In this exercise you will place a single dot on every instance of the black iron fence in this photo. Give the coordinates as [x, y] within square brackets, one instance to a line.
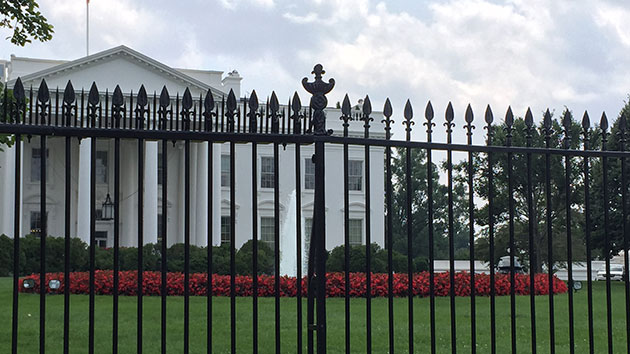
[543, 191]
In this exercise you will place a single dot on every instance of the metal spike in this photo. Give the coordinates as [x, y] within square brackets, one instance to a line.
[509, 117]
[296, 104]
[231, 101]
[566, 120]
[43, 95]
[449, 115]
[208, 102]
[142, 97]
[428, 112]
[547, 119]
[603, 123]
[387, 108]
[165, 99]
[93, 96]
[18, 91]
[489, 115]
[367, 106]
[586, 121]
[253, 102]
[529, 119]
[408, 113]
[68, 93]
[274, 105]
[187, 102]
[345, 106]
[469, 114]
[117, 97]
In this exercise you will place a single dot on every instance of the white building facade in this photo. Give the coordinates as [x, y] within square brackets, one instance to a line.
[129, 69]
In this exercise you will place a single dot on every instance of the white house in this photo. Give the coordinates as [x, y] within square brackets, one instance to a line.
[129, 69]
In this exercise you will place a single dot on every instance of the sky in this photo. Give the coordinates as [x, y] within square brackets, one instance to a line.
[518, 53]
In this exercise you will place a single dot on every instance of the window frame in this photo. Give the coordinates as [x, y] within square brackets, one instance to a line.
[360, 176]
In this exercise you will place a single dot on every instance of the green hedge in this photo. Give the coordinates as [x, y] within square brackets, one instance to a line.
[336, 260]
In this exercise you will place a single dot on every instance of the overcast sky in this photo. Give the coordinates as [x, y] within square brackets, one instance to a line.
[529, 53]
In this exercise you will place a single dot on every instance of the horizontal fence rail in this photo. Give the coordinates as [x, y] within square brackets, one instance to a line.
[333, 206]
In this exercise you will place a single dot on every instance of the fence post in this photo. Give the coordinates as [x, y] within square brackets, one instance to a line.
[319, 89]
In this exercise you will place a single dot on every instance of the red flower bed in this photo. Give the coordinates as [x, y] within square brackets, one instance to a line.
[128, 280]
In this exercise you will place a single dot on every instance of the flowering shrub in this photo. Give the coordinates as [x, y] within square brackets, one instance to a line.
[151, 284]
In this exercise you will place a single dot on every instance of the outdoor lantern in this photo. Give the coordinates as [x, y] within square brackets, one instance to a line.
[108, 209]
[54, 284]
[29, 283]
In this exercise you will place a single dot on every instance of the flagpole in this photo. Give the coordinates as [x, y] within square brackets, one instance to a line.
[87, 27]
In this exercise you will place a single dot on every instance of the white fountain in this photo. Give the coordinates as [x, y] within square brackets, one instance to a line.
[288, 241]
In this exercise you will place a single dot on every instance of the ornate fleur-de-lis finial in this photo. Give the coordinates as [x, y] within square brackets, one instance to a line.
[586, 126]
[428, 116]
[274, 108]
[603, 125]
[529, 126]
[346, 114]
[185, 113]
[93, 104]
[366, 110]
[230, 107]
[141, 107]
[318, 89]
[547, 124]
[387, 112]
[509, 124]
[567, 119]
[164, 112]
[469, 117]
[43, 98]
[68, 103]
[253, 112]
[449, 116]
[117, 106]
[18, 92]
[489, 118]
[208, 110]
[621, 133]
[297, 116]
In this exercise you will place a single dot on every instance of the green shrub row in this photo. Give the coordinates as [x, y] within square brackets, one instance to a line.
[152, 258]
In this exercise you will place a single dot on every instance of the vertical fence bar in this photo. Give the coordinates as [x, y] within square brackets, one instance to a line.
[390, 224]
[531, 225]
[164, 245]
[17, 206]
[298, 235]
[451, 232]
[428, 114]
[210, 243]
[276, 227]
[624, 196]
[140, 240]
[587, 231]
[345, 117]
[66, 267]
[567, 121]
[187, 246]
[471, 229]
[548, 132]
[604, 127]
[232, 248]
[408, 114]
[368, 234]
[509, 121]
[255, 245]
[91, 309]
[489, 118]
[116, 242]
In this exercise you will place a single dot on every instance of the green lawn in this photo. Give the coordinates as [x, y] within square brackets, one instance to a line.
[29, 323]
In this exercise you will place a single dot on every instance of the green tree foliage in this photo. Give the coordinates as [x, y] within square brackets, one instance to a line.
[336, 260]
[6, 105]
[27, 23]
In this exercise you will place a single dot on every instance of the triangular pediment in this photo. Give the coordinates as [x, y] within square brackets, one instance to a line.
[118, 66]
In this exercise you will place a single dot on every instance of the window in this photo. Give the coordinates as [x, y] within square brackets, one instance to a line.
[160, 169]
[101, 239]
[36, 164]
[266, 172]
[225, 170]
[225, 230]
[267, 230]
[101, 167]
[36, 222]
[308, 229]
[309, 174]
[355, 175]
[356, 231]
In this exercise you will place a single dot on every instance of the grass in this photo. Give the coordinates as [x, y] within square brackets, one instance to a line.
[29, 323]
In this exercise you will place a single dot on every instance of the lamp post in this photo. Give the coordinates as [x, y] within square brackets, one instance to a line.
[108, 209]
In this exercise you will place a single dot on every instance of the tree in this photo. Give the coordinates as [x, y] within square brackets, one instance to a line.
[27, 23]
[501, 195]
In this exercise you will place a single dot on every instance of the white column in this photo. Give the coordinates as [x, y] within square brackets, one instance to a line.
[150, 192]
[7, 189]
[216, 195]
[194, 158]
[83, 211]
[202, 194]
[181, 215]
[129, 194]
